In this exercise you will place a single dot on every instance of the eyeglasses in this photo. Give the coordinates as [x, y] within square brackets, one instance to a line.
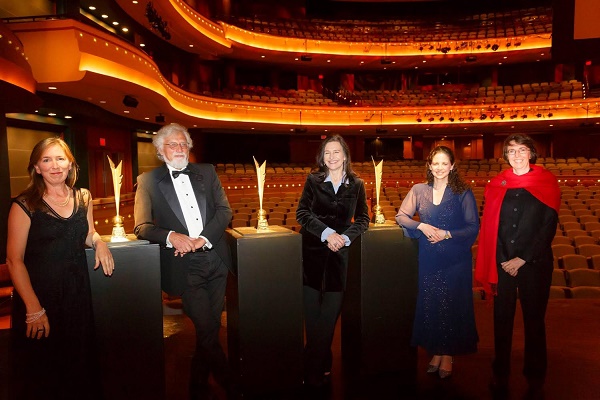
[522, 151]
[174, 146]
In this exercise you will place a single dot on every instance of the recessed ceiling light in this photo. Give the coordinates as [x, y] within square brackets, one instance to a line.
[104, 16]
[92, 8]
[134, 1]
[124, 29]
[115, 23]
[102, 101]
[68, 117]
[126, 111]
[52, 87]
[142, 45]
[191, 45]
[328, 61]
[147, 118]
[263, 56]
[52, 114]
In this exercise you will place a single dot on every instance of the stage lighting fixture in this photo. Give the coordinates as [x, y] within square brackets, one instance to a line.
[550, 115]
[507, 44]
[441, 119]
[478, 47]
[538, 115]
[130, 101]
[501, 116]
[461, 119]
[487, 46]
[482, 117]
[495, 47]
[471, 119]
[513, 116]
[524, 116]
[421, 48]
[492, 116]
[430, 47]
[517, 44]
[419, 120]
[430, 119]
[451, 119]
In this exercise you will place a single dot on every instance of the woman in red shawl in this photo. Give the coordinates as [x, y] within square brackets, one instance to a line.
[517, 228]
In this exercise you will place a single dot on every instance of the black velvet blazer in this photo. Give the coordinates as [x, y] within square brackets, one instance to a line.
[320, 207]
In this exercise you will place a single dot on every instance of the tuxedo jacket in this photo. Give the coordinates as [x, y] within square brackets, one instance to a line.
[157, 212]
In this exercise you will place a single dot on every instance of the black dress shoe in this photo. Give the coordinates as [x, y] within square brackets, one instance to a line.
[499, 388]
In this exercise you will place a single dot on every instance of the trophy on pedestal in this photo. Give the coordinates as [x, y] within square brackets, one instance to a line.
[118, 232]
[379, 217]
[261, 176]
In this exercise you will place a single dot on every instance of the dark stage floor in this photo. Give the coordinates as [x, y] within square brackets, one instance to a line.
[573, 327]
[573, 347]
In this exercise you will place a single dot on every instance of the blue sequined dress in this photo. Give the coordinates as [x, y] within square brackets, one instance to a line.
[444, 319]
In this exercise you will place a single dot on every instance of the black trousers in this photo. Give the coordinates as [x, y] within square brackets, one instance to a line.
[203, 302]
[532, 284]
[321, 311]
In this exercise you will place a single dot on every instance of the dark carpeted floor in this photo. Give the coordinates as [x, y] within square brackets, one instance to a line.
[573, 352]
[573, 336]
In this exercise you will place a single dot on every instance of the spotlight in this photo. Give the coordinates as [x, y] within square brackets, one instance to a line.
[478, 47]
[430, 47]
[421, 48]
[538, 115]
[513, 116]
[517, 44]
[471, 119]
[550, 115]
[419, 120]
[492, 116]
[483, 116]
[461, 119]
[487, 46]
[495, 47]
[430, 119]
[508, 44]
[441, 119]
[524, 116]
[451, 119]
[130, 101]
[501, 116]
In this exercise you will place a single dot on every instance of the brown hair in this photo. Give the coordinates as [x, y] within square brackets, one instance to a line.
[35, 189]
[520, 138]
[321, 156]
[455, 181]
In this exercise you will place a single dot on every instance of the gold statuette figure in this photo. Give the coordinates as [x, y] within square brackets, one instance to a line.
[379, 217]
[118, 232]
[261, 176]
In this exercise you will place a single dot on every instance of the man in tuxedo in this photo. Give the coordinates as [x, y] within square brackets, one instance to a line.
[183, 208]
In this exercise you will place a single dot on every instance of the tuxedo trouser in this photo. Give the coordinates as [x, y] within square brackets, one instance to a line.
[203, 302]
[321, 312]
[532, 287]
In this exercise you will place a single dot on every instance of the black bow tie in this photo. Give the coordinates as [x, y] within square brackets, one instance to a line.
[176, 174]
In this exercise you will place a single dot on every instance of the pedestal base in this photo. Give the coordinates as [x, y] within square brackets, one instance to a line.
[264, 309]
[379, 303]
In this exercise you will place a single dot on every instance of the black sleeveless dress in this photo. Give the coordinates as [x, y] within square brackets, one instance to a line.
[63, 365]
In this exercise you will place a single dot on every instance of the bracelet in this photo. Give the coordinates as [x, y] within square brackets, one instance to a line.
[29, 318]
[447, 235]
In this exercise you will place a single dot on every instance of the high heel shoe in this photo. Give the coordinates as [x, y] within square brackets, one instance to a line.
[432, 368]
[445, 374]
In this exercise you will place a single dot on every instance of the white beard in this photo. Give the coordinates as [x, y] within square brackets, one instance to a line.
[178, 163]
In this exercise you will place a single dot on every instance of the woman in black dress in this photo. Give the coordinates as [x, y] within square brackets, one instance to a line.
[49, 225]
[333, 212]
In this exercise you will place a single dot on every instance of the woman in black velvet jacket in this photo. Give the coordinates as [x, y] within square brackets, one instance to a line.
[333, 212]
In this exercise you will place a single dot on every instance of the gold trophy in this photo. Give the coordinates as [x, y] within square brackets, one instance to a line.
[118, 232]
[379, 217]
[262, 214]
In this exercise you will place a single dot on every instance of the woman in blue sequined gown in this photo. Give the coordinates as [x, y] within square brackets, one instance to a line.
[448, 224]
[52, 332]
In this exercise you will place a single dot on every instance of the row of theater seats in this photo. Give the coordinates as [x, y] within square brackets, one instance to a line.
[468, 28]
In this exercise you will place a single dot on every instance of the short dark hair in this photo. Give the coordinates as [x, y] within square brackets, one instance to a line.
[520, 138]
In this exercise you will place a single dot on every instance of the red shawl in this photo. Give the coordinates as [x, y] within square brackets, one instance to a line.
[540, 182]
